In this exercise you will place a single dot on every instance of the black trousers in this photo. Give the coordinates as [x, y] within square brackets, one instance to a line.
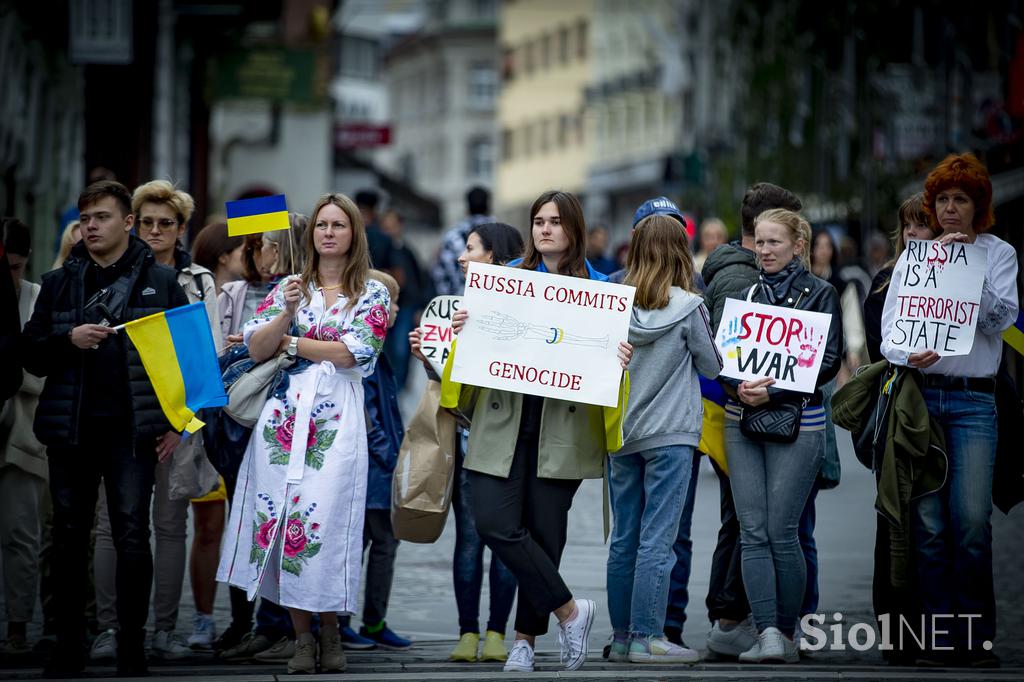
[127, 470]
[727, 597]
[523, 519]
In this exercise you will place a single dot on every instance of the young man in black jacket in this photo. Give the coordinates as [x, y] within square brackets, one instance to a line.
[99, 417]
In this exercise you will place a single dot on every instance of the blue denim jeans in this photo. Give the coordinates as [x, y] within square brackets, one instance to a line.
[770, 486]
[678, 592]
[952, 528]
[468, 564]
[647, 491]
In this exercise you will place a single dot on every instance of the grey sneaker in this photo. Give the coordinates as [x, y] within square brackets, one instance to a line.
[104, 647]
[282, 650]
[332, 655]
[304, 660]
[740, 638]
[169, 645]
[771, 647]
[659, 650]
[250, 645]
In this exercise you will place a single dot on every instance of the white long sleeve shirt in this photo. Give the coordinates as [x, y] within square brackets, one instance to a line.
[998, 311]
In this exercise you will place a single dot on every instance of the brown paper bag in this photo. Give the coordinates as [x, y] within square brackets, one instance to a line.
[421, 490]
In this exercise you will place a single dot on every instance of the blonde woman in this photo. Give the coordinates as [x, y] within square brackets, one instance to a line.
[72, 235]
[297, 511]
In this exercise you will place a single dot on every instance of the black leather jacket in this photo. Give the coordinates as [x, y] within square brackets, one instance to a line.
[48, 352]
[807, 292]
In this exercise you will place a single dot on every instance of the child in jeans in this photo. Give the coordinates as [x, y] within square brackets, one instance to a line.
[648, 478]
[384, 437]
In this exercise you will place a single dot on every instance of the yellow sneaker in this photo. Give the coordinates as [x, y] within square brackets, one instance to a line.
[465, 650]
[494, 647]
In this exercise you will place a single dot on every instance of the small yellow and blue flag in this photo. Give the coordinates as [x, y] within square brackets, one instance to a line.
[1015, 334]
[177, 350]
[712, 434]
[262, 214]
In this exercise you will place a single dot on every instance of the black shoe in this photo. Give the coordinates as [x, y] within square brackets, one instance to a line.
[131, 654]
[64, 664]
[230, 638]
[979, 658]
[674, 635]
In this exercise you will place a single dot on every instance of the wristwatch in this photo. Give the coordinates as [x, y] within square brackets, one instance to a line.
[293, 347]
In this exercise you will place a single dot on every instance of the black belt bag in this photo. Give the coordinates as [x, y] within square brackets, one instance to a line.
[775, 422]
[975, 384]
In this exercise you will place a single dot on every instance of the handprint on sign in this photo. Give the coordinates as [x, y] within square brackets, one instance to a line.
[809, 346]
[503, 327]
[732, 337]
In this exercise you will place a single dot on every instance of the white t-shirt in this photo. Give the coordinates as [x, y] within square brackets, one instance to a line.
[997, 313]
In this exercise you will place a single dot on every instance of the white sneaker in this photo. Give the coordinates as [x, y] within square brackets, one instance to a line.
[169, 646]
[520, 659]
[733, 642]
[283, 650]
[659, 650]
[771, 647]
[574, 635]
[104, 647]
[204, 631]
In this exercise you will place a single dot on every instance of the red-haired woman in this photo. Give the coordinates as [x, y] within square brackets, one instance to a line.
[951, 527]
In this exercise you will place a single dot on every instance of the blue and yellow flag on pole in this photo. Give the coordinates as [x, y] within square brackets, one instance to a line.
[1015, 334]
[177, 350]
[262, 214]
[712, 435]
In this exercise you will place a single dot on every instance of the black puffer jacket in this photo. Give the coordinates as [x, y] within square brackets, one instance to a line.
[806, 292]
[48, 351]
[728, 273]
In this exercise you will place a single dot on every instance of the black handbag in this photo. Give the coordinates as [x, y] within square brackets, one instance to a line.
[775, 422]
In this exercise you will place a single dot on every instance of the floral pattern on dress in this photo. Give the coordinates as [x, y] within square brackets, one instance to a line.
[279, 429]
[263, 526]
[301, 539]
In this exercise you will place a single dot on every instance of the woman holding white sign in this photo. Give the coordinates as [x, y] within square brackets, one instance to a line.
[772, 480]
[649, 476]
[951, 528]
[522, 494]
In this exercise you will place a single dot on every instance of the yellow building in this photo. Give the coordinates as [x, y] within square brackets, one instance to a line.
[546, 57]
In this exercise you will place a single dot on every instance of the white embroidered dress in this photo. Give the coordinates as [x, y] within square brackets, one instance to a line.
[296, 530]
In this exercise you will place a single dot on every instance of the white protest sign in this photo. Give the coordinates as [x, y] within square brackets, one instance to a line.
[543, 334]
[938, 297]
[436, 330]
[786, 344]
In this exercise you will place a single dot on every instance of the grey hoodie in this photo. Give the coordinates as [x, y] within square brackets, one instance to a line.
[671, 346]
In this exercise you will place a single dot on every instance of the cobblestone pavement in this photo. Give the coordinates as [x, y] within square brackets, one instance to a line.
[422, 605]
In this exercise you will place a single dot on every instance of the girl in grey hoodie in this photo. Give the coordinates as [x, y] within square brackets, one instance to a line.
[673, 342]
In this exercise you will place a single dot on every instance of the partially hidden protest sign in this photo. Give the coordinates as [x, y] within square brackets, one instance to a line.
[786, 344]
[938, 297]
[436, 330]
[543, 334]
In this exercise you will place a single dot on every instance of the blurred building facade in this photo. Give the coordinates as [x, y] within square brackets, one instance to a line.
[546, 64]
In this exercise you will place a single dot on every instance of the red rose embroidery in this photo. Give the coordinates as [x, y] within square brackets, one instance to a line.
[328, 333]
[287, 429]
[377, 318]
[264, 533]
[294, 538]
[267, 302]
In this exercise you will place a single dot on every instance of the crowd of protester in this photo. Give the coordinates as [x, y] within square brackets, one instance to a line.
[90, 468]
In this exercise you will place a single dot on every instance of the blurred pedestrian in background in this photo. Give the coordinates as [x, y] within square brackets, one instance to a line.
[713, 233]
[416, 291]
[449, 279]
[597, 250]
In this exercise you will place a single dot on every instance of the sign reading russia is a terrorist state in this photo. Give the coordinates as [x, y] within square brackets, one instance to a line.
[543, 334]
[935, 307]
[786, 344]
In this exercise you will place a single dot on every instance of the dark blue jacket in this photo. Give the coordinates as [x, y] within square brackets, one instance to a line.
[384, 432]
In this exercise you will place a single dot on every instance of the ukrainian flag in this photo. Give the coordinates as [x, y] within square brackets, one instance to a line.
[1015, 334]
[180, 358]
[262, 214]
[712, 434]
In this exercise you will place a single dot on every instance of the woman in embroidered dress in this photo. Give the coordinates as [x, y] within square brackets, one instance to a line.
[295, 535]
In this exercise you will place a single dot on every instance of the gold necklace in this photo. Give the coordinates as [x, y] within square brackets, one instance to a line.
[331, 288]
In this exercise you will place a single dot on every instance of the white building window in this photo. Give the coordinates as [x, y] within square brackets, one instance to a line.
[358, 57]
[483, 85]
[480, 158]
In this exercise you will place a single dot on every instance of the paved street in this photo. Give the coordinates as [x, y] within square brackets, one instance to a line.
[422, 605]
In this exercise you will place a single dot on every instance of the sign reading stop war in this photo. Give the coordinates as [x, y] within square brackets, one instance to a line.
[436, 330]
[786, 344]
[543, 334]
[936, 304]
